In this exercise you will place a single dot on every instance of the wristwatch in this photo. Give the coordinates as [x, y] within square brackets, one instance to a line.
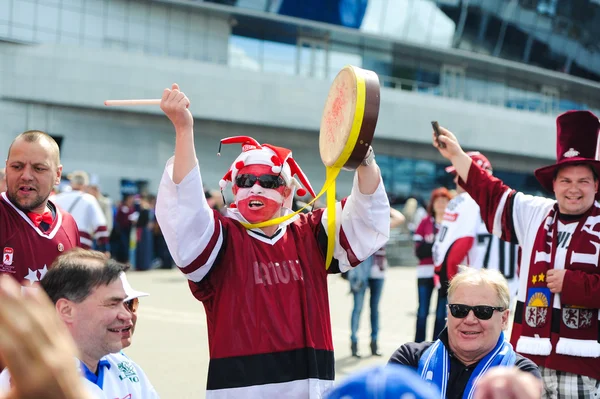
[369, 158]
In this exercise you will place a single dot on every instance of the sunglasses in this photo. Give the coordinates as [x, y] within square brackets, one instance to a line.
[482, 312]
[265, 181]
[132, 305]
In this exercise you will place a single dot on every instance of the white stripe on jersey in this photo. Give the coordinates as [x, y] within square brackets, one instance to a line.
[203, 270]
[86, 241]
[497, 227]
[289, 390]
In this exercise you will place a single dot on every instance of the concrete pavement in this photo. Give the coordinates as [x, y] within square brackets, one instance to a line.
[171, 344]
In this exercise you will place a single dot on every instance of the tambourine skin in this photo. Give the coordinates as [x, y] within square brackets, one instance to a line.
[349, 118]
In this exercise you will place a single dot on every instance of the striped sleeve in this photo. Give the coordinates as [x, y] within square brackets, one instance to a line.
[97, 222]
[193, 231]
[506, 212]
[362, 225]
[85, 240]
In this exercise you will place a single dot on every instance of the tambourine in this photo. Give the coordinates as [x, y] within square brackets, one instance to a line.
[347, 129]
[349, 118]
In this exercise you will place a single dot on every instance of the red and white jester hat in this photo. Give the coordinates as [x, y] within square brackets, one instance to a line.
[279, 159]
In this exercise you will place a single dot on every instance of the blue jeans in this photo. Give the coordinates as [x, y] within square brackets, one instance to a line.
[425, 290]
[375, 288]
[440, 316]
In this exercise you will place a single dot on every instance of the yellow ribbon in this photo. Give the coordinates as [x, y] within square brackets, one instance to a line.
[331, 173]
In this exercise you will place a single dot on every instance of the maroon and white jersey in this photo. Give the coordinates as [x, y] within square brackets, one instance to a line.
[266, 298]
[517, 217]
[463, 224]
[27, 251]
[88, 214]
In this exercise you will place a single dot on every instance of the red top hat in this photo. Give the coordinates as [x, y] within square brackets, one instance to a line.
[478, 158]
[576, 143]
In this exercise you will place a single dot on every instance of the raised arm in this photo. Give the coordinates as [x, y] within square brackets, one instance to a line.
[363, 219]
[193, 232]
[175, 105]
[369, 176]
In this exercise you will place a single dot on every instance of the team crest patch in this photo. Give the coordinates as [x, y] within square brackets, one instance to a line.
[7, 256]
[536, 312]
[577, 318]
[128, 372]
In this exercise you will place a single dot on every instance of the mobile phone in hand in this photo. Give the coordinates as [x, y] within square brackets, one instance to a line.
[436, 129]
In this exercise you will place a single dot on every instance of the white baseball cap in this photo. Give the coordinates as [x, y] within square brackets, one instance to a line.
[131, 293]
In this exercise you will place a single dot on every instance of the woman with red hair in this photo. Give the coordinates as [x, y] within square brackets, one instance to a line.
[424, 238]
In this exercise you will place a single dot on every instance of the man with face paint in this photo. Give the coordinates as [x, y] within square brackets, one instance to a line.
[264, 289]
[33, 230]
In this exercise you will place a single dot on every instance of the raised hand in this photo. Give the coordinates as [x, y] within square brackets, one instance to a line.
[452, 151]
[452, 148]
[175, 105]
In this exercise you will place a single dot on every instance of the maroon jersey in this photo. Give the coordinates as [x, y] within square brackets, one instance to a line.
[266, 300]
[28, 251]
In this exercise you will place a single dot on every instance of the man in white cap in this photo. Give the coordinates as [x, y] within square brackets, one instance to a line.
[93, 298]
[264, 289]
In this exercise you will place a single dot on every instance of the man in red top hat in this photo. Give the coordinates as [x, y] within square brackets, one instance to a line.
[556, 319]
[33, 230]
[264, 289]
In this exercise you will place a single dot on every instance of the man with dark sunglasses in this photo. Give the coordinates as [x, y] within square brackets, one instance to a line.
[264, 288]
[557, 316]
[473, 341]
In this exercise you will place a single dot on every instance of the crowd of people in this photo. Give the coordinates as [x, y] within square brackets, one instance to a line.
[261, 271]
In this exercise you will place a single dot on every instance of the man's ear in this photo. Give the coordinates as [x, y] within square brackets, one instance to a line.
[65, 310]
[505, 316]
[58, 174]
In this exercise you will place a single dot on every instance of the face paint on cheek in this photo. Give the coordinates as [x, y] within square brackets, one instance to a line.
[259, 205]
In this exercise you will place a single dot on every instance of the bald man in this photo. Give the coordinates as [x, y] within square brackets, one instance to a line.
[33, 230]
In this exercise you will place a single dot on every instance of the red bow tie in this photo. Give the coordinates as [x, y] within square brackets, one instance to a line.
[37, 218]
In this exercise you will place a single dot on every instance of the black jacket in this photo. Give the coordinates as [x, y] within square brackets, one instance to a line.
[410, 353]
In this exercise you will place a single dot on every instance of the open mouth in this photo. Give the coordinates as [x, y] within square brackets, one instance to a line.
[254, 204]
[120, 330]
[26, 189]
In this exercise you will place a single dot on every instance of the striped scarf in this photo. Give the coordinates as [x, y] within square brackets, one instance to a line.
[434, 365]
[544, 313]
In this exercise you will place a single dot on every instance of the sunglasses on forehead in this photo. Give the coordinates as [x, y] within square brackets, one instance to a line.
[132, 305]
[482, 312]
[266, 181]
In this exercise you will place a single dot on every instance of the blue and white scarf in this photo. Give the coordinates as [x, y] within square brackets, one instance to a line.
[434, 365]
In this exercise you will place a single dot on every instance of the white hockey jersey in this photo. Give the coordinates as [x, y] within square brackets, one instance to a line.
[88, 215]
[462, 219]
[118, 377]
